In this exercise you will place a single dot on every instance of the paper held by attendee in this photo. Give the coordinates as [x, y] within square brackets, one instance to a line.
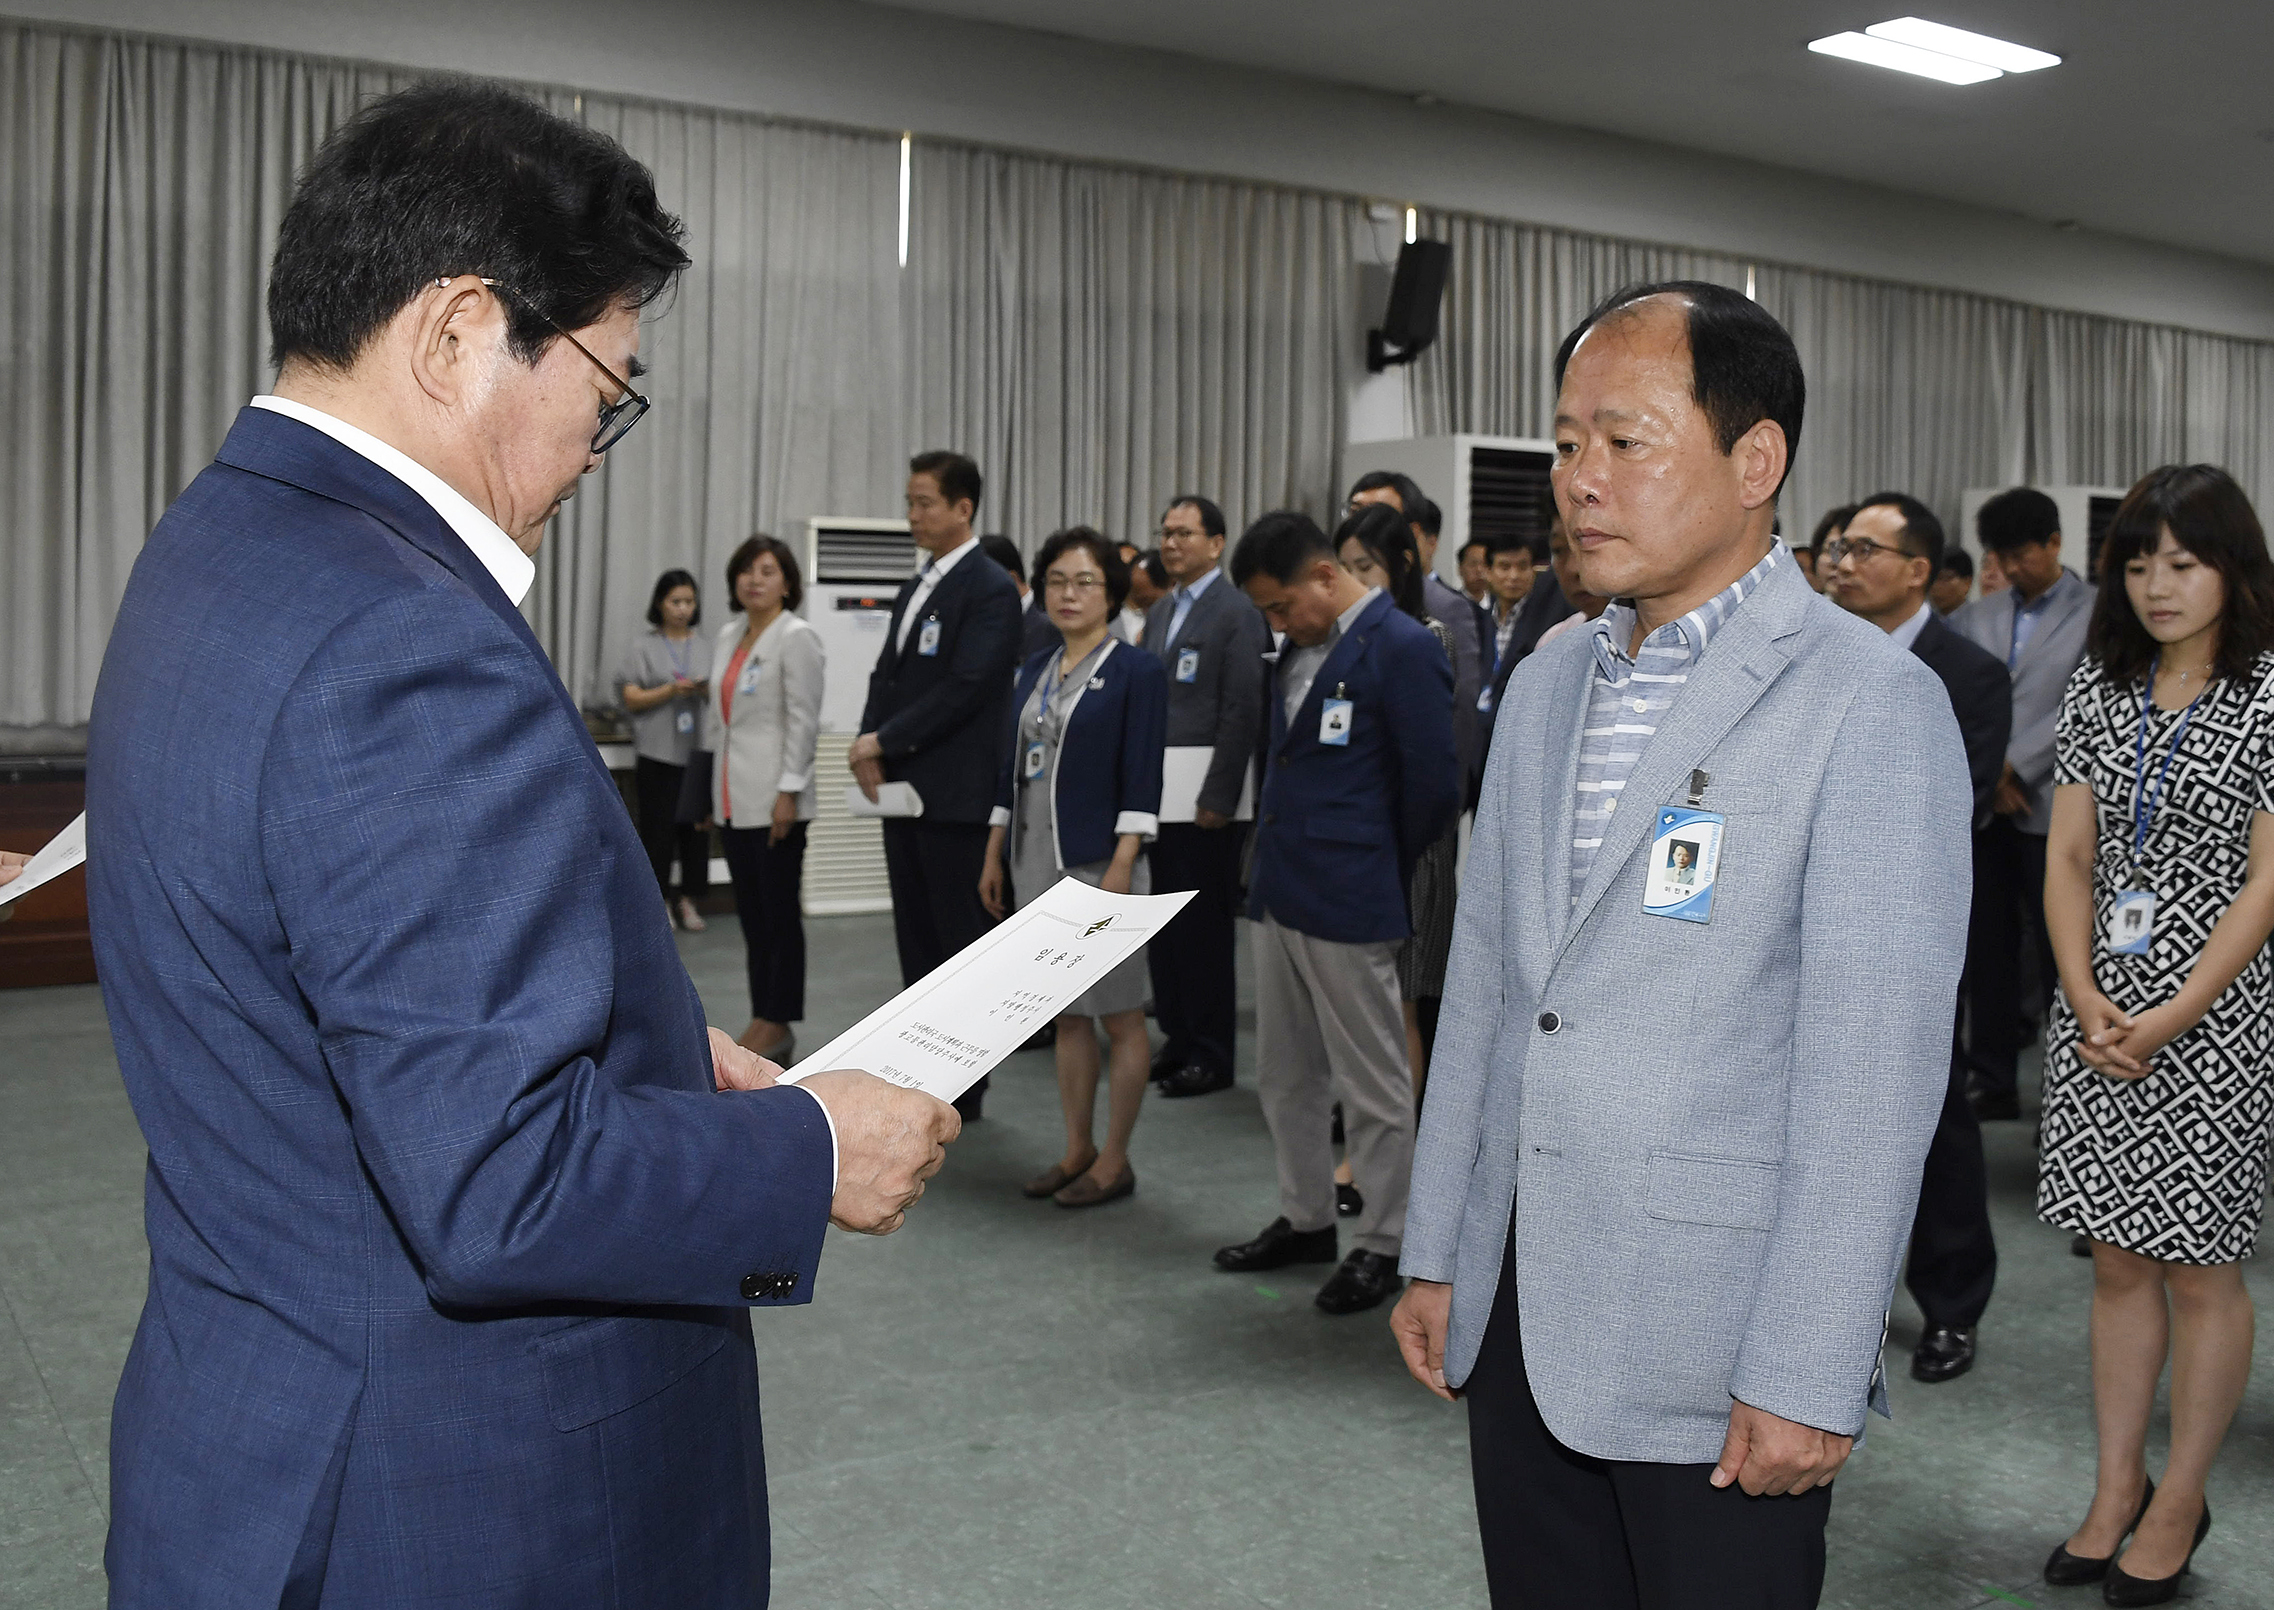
[1184, 768]
[63, 852]
[955, 1023]
[892, 799]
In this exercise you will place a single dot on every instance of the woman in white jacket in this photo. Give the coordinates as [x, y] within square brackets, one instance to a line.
[765, 717]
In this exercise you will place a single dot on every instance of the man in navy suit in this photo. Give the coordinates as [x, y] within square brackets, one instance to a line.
[939, 704]
[455, 1211]
[1882, 566]
[1360, 776]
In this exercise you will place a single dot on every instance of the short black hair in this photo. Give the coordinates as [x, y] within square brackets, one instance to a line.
[1921, 529]
[1155, 572]
[1743, 365]
[793, 580]
[1101, 548]
[1409, 494]
[2019, 517]
[1387, 536]
[1429, 517]
[1211, 517]
[1004, 552]
[1834, 520]
[1280, 545]
[1475, 541]
[458, 177]
[1501, 542]
[957, 476]
[1956, 561]
[2208, 515]
[663, 586]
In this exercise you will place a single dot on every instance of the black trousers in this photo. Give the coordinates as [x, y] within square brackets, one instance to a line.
[1561, 1529]
[768, 880]
[655, 785]
[2008, 921]
[934, 868]
[1195, 980]
[1954, 1259]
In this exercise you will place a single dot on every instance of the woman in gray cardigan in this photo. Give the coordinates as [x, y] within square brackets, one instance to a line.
[765, 718]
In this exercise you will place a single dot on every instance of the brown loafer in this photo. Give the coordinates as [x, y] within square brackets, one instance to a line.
[1087, 1192]
[1054, 1179]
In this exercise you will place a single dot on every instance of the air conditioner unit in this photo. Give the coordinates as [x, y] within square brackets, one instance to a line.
[1483, 486]
[2086, 512]
[853, 567]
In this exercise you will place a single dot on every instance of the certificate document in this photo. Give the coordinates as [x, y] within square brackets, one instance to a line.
[63, 852]
[955, 1023]
[1184, 769]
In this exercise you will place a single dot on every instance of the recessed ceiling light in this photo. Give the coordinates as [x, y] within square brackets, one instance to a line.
[1904, 58]
[1973, 47]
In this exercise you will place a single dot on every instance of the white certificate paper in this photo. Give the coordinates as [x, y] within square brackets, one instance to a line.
[1184, 771]
[62, 852]
[955, 1023]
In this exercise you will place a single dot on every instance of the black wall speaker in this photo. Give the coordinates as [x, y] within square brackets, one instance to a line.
[1415, 293]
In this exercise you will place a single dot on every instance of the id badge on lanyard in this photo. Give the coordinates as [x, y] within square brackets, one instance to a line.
[928, 637]
[1334, 719]
[686, 721]
[2131, 923]
[1685, 858]
[1188, 665]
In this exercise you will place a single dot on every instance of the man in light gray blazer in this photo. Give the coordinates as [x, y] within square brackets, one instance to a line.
[1210, 639]
[1667, 1167]
[2037, 627]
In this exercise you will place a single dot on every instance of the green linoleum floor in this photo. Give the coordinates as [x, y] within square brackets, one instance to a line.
[1008, 1403]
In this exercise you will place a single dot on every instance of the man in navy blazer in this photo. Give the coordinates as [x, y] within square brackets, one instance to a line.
[454, 1208]
[1882, 566]
[939, 699]
[1360, 776]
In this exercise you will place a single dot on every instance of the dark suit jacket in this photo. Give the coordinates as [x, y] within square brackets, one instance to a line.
[1339, 826]
[1471, 632]
[940, 717]
[1108, 778]
[449, 1233]
[1981, 694]
[1222, 706]
[1036, 632]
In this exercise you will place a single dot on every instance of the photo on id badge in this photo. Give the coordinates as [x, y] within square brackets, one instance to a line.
[1685, 858]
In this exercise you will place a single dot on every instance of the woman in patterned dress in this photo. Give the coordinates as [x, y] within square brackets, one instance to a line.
[2159, 896]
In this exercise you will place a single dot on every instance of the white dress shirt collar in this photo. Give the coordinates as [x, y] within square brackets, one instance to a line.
[946, 562]
[512, 569]
[1908, 633]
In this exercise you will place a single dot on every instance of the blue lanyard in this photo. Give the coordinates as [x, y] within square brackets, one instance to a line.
[678, 659]
[2144, 803]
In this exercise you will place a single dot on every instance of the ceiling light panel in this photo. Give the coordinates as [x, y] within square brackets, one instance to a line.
[1999, 53]
[1904, 58]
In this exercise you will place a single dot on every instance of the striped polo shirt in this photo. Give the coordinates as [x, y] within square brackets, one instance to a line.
[1627, 699]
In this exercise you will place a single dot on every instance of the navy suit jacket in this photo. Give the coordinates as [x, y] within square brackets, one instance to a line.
[449, 1233]
[1108, 779]
[939, 716]
[1339, 826]
[1981, 696]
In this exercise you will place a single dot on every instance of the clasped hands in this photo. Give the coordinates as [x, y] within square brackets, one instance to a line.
[890, 1140]
[1763, 1452]
[2114, 1042]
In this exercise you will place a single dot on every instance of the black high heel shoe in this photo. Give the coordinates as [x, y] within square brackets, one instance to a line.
[2130, 1590]
[2066, 1570]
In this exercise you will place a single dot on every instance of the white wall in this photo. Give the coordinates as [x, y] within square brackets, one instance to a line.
[842, 61]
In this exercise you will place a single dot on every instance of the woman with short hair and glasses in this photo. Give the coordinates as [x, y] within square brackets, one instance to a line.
[2159, 1098]
[767, 674]
[1080, 797]
[663, 682]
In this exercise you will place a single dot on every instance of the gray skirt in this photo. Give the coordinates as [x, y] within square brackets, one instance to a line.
[1034, 869]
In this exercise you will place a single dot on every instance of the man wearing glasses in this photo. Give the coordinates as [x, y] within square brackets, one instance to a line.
[454, 1207]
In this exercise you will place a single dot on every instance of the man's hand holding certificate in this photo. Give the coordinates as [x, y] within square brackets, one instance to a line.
[949, 1027]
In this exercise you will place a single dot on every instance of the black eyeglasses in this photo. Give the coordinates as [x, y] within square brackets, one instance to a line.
[616, 418]
[1862, 548]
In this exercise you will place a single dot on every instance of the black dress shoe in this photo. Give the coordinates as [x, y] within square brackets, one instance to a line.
[2066, 1570]
[1193, 1080]
[1944, 1353]
[1365, 1280]
[1994, 1104]
[1348, 1204]
[1165, 1063]
[2120, 1588]
[968, 1104]
[1280, 1245]
[2080, 1246]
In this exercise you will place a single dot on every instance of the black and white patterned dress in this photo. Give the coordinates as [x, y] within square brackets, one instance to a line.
[2172, 1165]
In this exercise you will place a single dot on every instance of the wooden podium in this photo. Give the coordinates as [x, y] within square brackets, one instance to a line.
[46, 940]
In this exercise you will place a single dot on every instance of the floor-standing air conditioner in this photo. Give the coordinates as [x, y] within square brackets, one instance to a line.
[853, 568]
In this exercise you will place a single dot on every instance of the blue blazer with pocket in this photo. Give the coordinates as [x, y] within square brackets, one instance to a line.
[1339, 826]
[1108, 778]
[450, 1236]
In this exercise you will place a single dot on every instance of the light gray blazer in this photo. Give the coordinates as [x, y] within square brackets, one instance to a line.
[1713, 1156]
[2056, 645]
[768, 747]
